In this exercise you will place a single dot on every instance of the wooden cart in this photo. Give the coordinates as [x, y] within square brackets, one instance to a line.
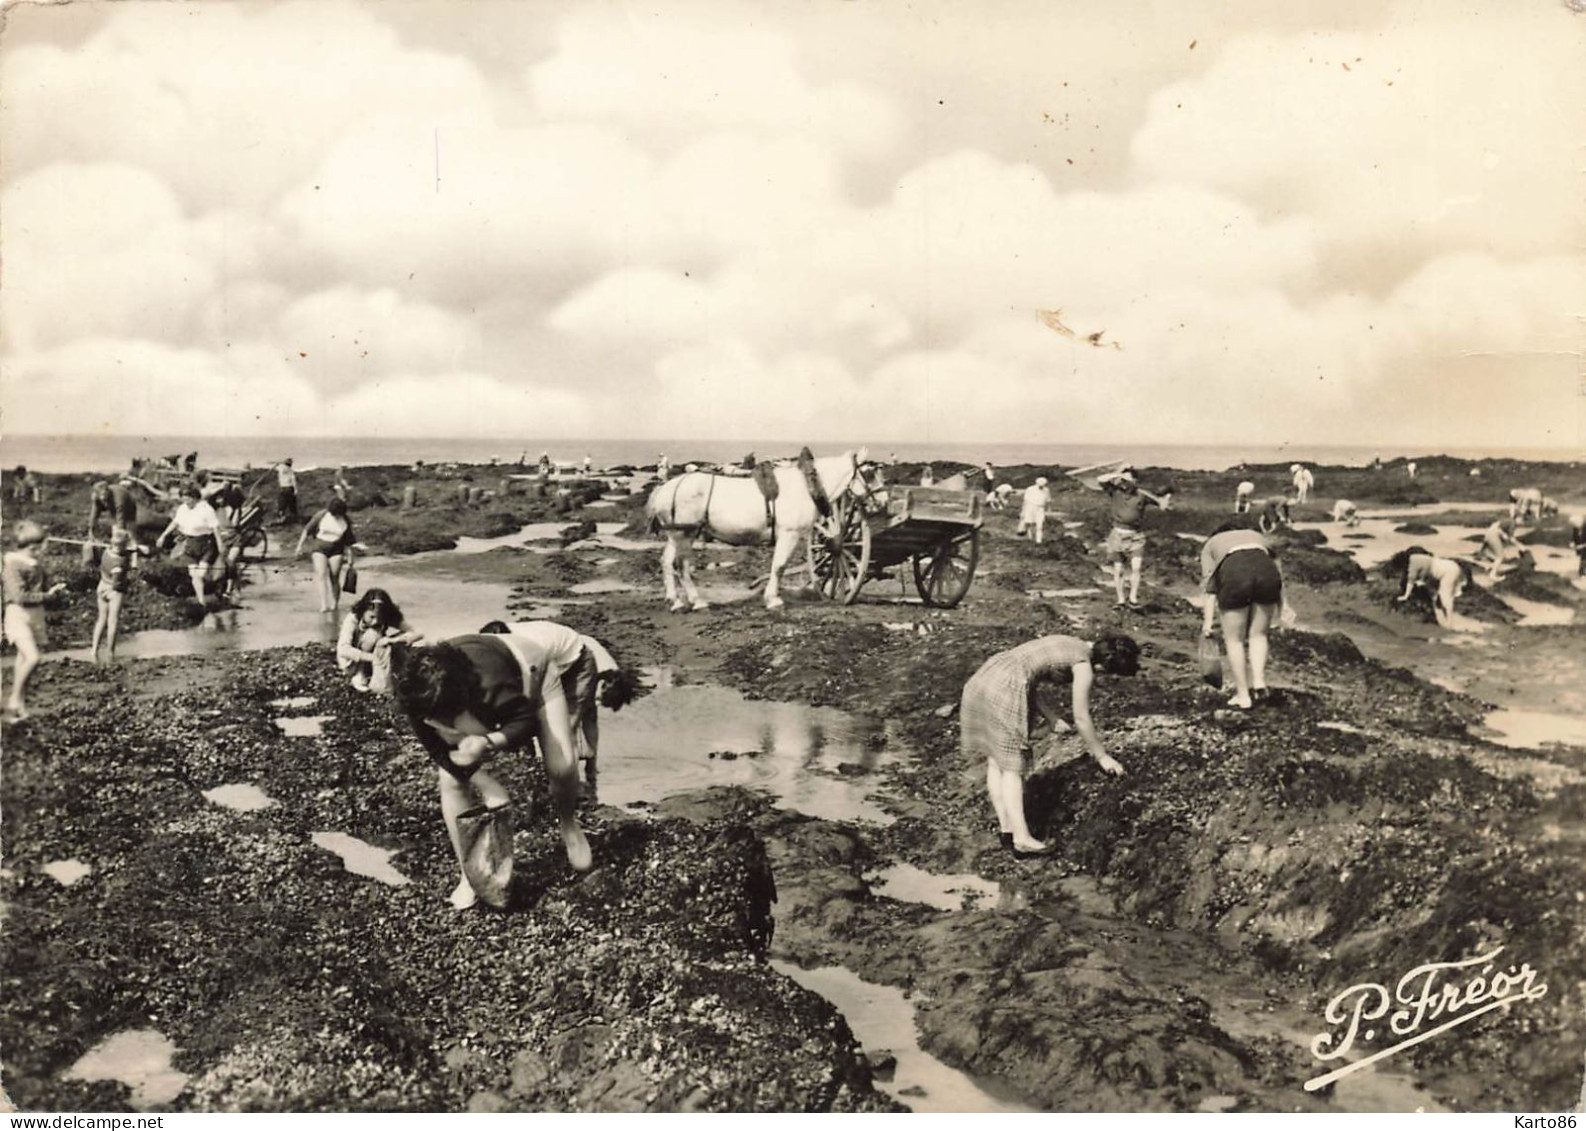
[936, 529]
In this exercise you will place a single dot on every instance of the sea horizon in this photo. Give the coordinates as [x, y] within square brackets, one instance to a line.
[65, 454]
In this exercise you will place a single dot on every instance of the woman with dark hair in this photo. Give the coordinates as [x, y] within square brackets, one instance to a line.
[331, 551]
[367, 632]
[1001, 702]
[473, 697]
[1242, 581]
[197, 524]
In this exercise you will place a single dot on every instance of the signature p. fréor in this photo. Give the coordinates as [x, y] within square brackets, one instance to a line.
[1434, 992]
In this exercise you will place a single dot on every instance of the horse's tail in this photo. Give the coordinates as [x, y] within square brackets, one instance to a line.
[660, 508]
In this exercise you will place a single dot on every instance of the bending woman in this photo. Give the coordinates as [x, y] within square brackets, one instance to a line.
[1443, 578]
[331, 530]
[474, 697]
[589, 675]
[1244, 586]
[999, 706]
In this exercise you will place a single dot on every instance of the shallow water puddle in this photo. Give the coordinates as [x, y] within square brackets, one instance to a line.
[66, 872]
[138, 1058]
[240, 796]
[533, 532]
[909, 884]
[1532, 730]
[295, 703]
[302, 726]
[815, 760]
[882, 1019]
[1540, 613]
[362, 858]
[602, 585]
[1066, 594]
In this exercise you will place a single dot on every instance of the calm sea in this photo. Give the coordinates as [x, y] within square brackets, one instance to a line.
[111, 453]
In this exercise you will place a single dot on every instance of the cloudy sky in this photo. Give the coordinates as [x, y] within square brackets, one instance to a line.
[1330, 222]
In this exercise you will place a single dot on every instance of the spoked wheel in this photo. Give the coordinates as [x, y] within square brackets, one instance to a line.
[943, 576]
[842, 551]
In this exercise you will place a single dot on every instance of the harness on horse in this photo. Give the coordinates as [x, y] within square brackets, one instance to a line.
[764, 476]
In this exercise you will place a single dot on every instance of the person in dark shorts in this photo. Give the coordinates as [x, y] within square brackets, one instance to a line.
[1244, 586]
[1126, 504]
[115, 573]
[197, 524]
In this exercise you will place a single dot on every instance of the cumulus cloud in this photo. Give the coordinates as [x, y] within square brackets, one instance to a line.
[232, 105]
[657, 222]
[133, 386]
[674, 74]
[1438, 132]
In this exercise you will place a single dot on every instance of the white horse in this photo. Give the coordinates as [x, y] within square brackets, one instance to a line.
[732, 509]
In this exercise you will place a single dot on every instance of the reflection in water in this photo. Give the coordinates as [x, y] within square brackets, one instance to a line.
[883, 1021]
[362, 858]
[139, 1058]
[683, 738]
[303, 726]
[279, 610]
[945, 893]
[66, 872]
[1532, 730]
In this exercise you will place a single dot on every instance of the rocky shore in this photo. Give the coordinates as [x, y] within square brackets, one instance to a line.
[1178, 954]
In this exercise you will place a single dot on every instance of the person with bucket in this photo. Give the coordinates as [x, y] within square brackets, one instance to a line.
[469, 700]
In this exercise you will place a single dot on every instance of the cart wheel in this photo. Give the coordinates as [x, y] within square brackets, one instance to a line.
[943, 576]
[255, 544]
[842, 553]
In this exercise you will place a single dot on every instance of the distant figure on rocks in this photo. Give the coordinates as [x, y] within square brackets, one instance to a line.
[1548, 509]
[589, 464]
[1497, 541]
[928, 477]
[1244, 587]
[27, 590]
[998, 498]
[1409, 469]
[1276, 511]
[663, 468]
[1345, 512]
[473, 697]
[589, 674]
[1127, 501]
[1243, 495]
[1443, 578]
[340, 486]
[285, 491]
[998, 713]
[1032, 516]
[1525, 503]
[1577, 539]
[1303, 482]
[370, 628]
